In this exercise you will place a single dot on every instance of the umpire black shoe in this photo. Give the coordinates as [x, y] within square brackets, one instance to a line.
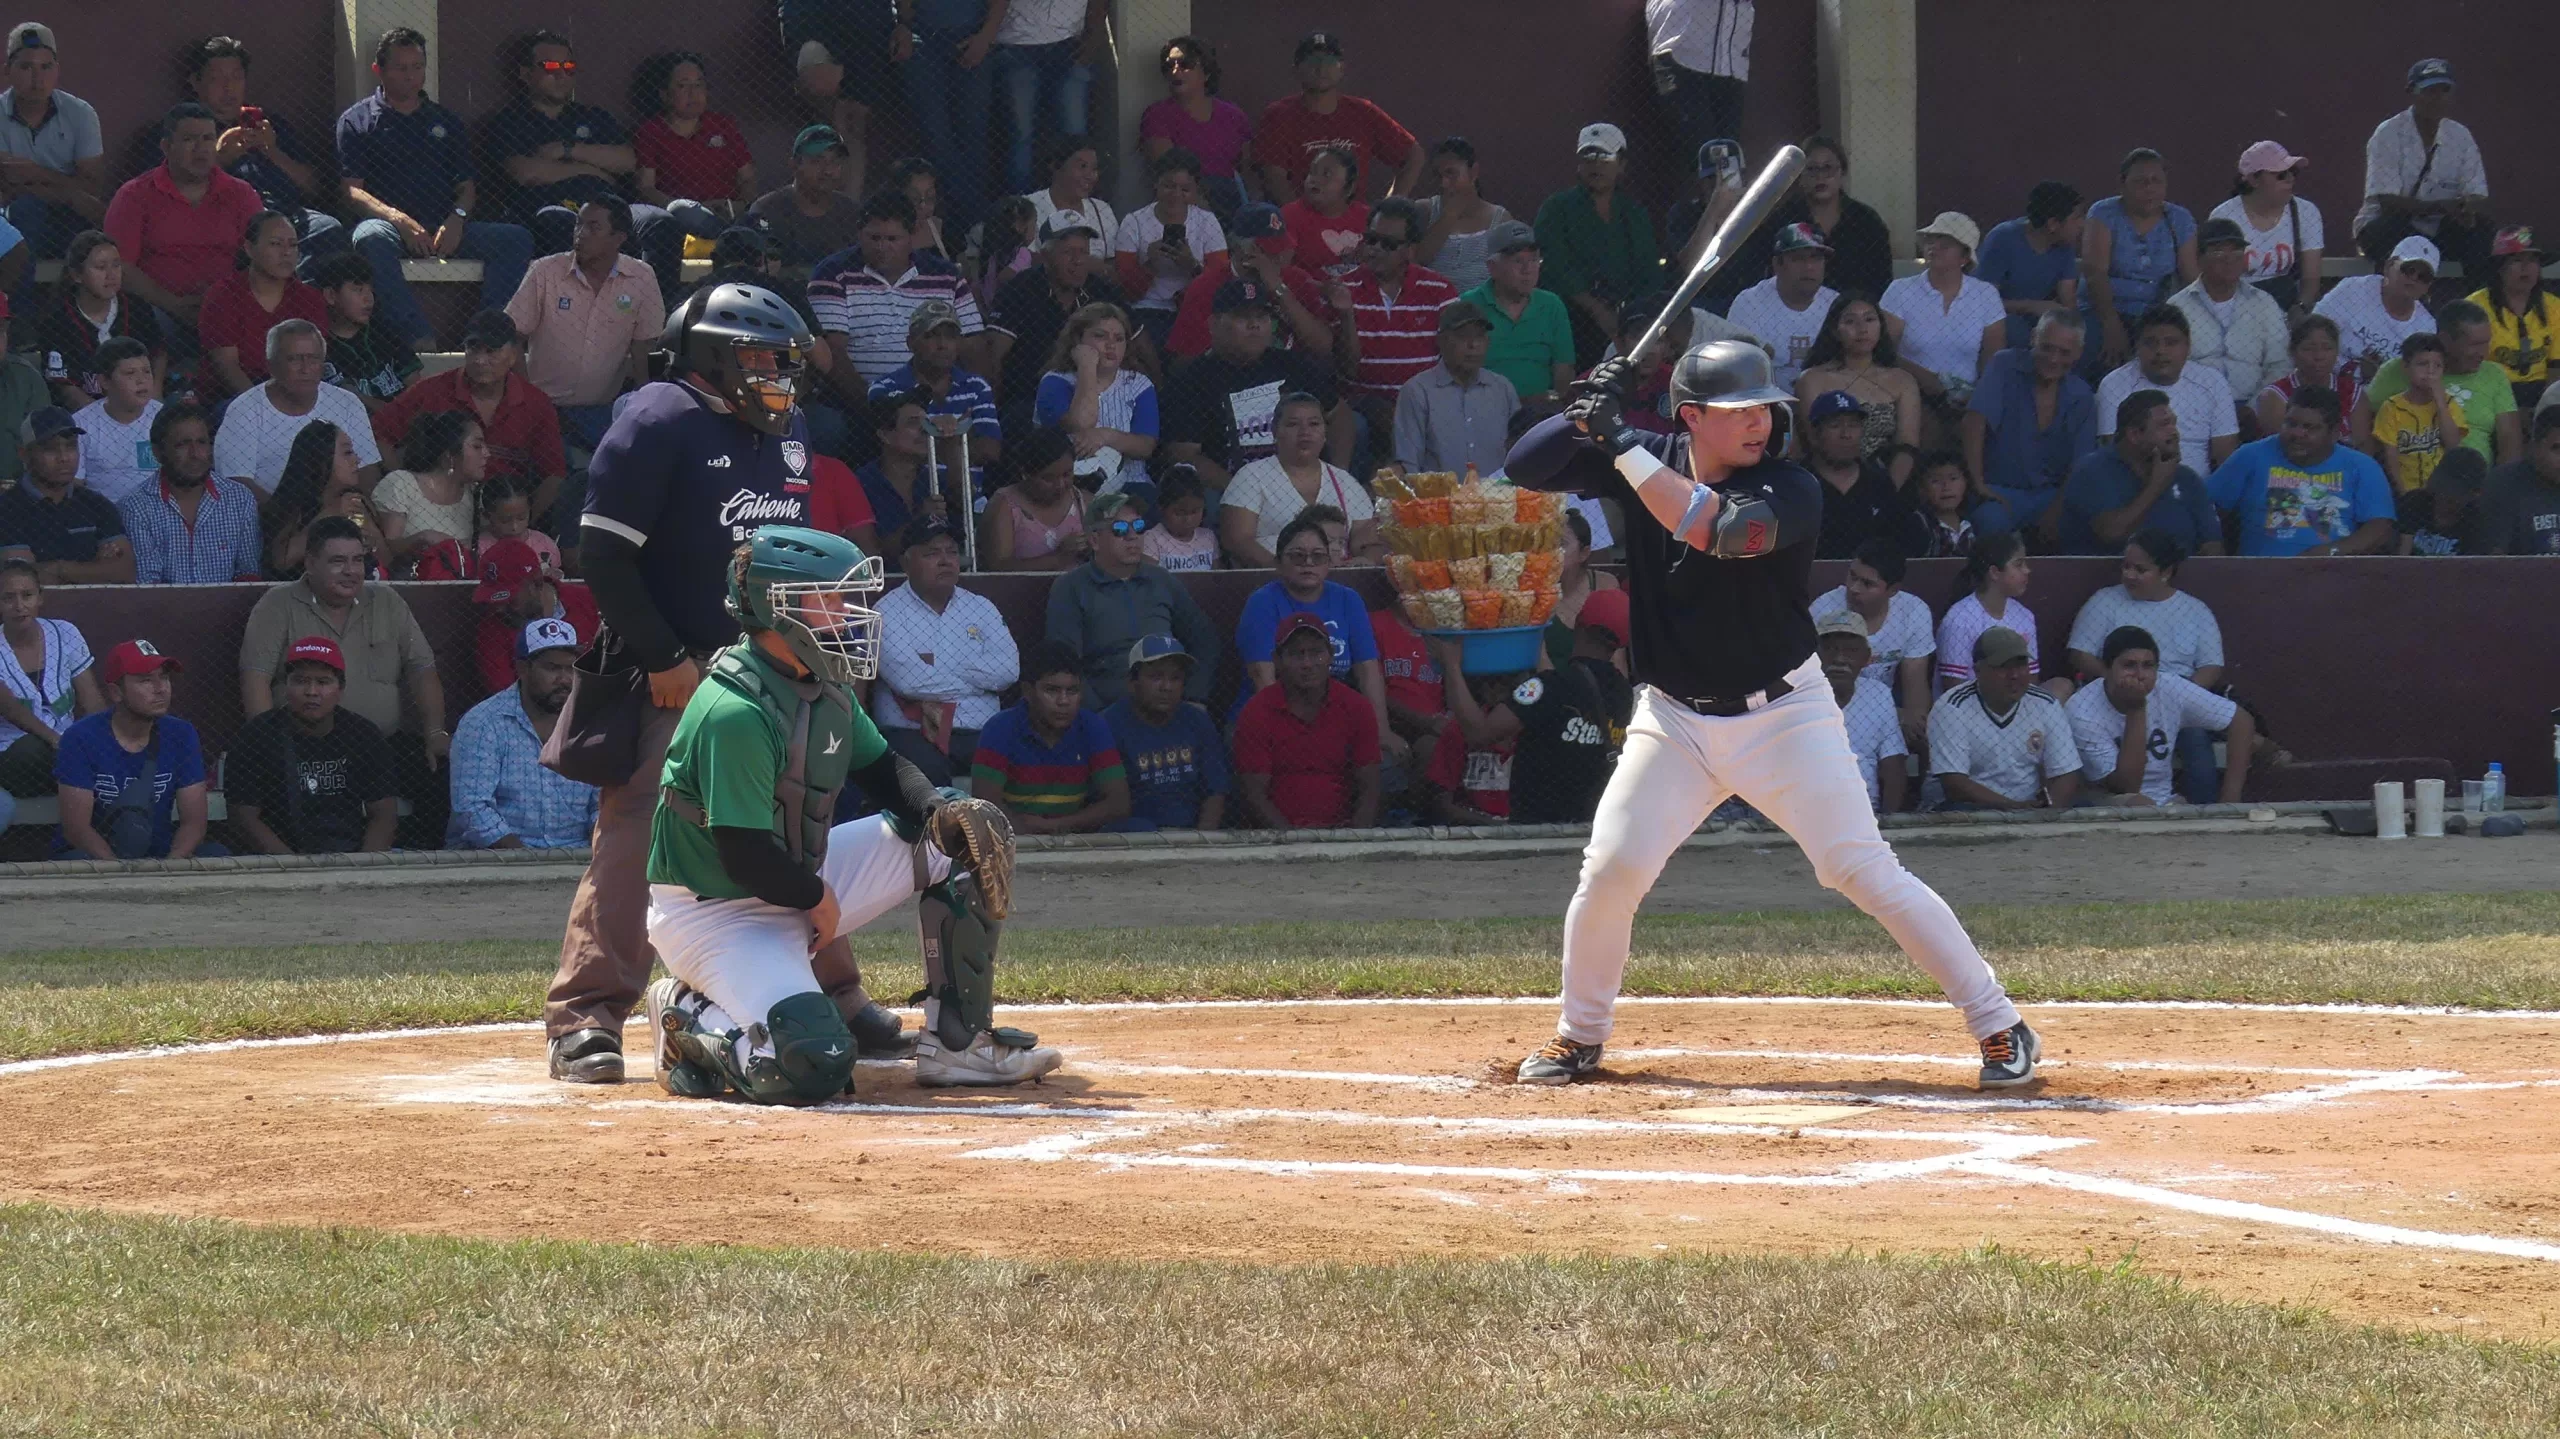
[1561, 1062]
[587, 1056]
[2009, 1057]
[878, 1034]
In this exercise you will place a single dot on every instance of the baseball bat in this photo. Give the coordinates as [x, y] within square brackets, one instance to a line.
[1749, 214]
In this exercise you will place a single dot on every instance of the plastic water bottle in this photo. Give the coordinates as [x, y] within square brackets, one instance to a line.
[2493, 789]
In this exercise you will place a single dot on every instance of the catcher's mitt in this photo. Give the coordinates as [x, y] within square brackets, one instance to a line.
[978, 838]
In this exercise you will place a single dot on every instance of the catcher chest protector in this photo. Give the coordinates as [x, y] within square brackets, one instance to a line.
[816, 722]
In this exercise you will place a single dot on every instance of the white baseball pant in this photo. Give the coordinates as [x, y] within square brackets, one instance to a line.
[746, 956]
[1791, 761]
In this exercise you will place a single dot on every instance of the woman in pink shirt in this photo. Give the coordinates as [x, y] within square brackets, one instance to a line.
[1037, 522]
[1193, 117]
[259, 293]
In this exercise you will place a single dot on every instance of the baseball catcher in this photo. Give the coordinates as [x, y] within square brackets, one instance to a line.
[747, 878]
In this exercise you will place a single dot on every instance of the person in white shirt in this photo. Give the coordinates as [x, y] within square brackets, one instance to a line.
[2125, 725]
[116, 457]
[1163, 247]
[2283, 230]
[2208, 421]
[2189, 637]
[258, 427]
[1995, 576]
[1264, 496]
[1901, 633]
[2374, 313]
[2232, 325]
[1999, 742]
[1074, 168]
[1866, 707]
[2423, 176]
[1701, 55]
[1785, 312]
[945, 656]
[1946, 322]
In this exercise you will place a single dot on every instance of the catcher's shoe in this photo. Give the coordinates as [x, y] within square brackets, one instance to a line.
[587, 1056]
[672, 1008]
[1561, 1062]
[989, 1060]
[2009, 1057]
[877, 1033]
[978, 838]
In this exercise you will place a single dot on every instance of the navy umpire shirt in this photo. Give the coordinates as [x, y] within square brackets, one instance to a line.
[1702, 626]
[687, 485]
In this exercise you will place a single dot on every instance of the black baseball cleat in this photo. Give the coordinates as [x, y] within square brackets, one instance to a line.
[2009, 1057]
[1561, 1062]
[878, 1034]
[587, 1056]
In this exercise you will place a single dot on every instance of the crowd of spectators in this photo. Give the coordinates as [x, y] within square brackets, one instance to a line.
[224, 384]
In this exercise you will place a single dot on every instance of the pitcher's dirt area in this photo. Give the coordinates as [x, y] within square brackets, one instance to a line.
[2388, 1166]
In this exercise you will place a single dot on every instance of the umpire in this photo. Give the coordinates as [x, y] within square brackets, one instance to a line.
[690, 468]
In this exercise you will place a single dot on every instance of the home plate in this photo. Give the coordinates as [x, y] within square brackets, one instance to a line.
[1786, 1116]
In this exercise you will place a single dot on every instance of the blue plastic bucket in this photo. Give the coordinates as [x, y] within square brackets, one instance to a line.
[1509, 650]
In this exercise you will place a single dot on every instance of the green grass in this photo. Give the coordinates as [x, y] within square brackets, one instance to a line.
[120, 1326]
[2500, 951]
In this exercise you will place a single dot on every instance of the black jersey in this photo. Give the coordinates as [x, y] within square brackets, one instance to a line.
[1701, 625]
[1561, 761]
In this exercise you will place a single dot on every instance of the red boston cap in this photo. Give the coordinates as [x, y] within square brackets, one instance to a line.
[509, 563]
[316, 649]
[1295, 621]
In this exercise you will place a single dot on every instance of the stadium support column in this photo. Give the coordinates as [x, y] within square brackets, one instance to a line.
[1866, 53]
[1139, 29]
[360, 23]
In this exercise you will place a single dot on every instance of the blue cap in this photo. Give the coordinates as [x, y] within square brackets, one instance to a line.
[2427, 74]
[1255, 221]
[1151, 648]
[1240, 293]
[1831, 404]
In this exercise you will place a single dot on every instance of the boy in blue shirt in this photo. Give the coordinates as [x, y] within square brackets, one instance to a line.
[108, 753]
[2301, 492]
[1176, 762]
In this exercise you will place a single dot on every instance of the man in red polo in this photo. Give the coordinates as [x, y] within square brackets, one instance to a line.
[179, 224]
[1306, 750]
[1390, 332]
[522, 427]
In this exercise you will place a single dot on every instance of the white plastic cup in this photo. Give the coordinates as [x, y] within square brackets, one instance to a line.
[2427, 798]
[2390, 811]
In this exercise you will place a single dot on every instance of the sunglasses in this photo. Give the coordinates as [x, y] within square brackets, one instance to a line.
[1384, 242]
[1181, 62]
[2418, 270]
[1125, 529]
[1305, 557]
[557, 67]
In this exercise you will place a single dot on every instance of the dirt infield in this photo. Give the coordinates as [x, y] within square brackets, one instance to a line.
[2389, 1165]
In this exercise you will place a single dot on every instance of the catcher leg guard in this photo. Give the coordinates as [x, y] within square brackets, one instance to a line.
[961, 1043]
[676, 1012]
[801, 1054]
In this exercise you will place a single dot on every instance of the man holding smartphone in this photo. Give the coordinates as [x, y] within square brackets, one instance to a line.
[263, 149]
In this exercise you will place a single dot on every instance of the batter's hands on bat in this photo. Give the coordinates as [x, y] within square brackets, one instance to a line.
[670, 688]
[1601, 417]
[1611, 375]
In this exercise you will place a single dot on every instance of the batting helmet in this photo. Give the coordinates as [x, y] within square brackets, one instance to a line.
[746, 345]
[1731, 375]
[815, 590]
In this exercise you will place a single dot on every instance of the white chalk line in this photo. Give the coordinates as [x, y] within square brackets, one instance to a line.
[1150, 1006]
[2277, 1103]
[1964, 1061]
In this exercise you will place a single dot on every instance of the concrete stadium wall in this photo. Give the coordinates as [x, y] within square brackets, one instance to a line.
[2347, 659]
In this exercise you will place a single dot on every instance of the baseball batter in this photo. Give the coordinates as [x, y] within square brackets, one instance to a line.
[748, 877]
[1719, 545]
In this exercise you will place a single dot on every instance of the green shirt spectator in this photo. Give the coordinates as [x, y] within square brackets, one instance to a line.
[2480, 385]
[1531, 343]
[1598, 241]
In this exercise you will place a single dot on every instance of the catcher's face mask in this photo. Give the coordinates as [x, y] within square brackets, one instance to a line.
[831, 624]
[765, 384]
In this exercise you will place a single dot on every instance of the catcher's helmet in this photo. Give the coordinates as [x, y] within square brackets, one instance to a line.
[1730, 375]
[815, 590]
[746, 346]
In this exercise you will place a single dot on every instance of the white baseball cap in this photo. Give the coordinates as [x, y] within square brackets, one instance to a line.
[1957, 227]
[2418, 248]
[1604, 137]
[546, 634]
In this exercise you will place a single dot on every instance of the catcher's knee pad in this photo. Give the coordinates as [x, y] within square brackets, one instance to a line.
[805, 1055]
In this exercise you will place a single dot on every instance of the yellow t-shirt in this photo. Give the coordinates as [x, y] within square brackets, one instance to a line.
[2522, 343]
[2409, 429]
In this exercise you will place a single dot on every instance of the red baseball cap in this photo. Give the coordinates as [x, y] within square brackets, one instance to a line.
[1296, 621]
[509, 564]
[316, 649]
[1605, 610]
[135, 657]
